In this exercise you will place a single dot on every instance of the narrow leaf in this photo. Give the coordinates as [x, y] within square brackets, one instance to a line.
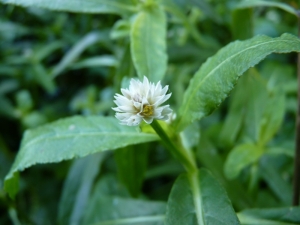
[273, 117]
[217, 76]
[88, 40]
[77, 188]
[240, 157]
[256, 3]
[278, 216]
[73, 137]
[86, 6]
[199, 199]
[148, 43]
[109, 206]
[131, 167]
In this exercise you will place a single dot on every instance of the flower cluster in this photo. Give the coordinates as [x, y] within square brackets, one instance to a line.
[142, 101]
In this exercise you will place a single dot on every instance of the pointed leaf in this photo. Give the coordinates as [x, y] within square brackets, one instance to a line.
[131, 167]
[109, 206]
[88, 40]
[256, 3]
[77, 188]
[199, 199]
[277, 216]
[217, 76]
[240, 157]
[148, 43]
[73, 137]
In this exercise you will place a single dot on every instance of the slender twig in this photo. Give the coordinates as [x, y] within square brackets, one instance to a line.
[297, 150]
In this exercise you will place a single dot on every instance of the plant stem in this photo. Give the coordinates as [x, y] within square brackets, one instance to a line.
[177, 151]
[297, 150]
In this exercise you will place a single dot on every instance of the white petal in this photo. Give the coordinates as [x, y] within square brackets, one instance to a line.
[126, 93]
[148, 119]
[162, 99]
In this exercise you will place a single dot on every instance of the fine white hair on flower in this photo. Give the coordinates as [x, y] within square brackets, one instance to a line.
[142, 101]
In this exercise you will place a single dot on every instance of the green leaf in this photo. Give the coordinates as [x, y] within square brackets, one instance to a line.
[273, 117]
[217, 76]
[117, 210]
[242, 23]
[43, 77]
[131, 167]
[88, 40]
[74, 137]
[274, 178]
[208, 156]
[256, 3]
[77, 188]
[148, 43]
[278, 216]
[199, 199]
[240, 157]
[107, 207]
[104, 60]
[87, 6]
[246, 106]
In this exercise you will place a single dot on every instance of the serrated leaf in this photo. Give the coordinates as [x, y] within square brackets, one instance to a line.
[148, 43]
[73, 137]
[217, 76]
[256, 3]
[77, 188]
[86, 6]
[240, 157]
[199, 199]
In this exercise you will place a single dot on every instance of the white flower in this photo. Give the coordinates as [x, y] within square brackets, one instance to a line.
[142, 102]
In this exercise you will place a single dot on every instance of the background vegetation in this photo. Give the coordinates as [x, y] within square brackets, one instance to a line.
[57, 64]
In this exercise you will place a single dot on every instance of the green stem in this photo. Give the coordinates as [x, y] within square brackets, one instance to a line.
[177, 151]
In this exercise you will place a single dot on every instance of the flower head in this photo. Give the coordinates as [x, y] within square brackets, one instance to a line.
[142, 101]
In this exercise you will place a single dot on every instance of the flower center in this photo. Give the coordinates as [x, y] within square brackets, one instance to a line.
[148, 110]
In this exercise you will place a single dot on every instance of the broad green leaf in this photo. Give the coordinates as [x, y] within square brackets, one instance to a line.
[273, 117]
[88, 40]
[242, 24]
[240, 157]
[87, 6]
[131, 166]
[77, 188]
[276, 216]
[199, 199]
[256, 3]
[109, 206]
[73, 137]
[217, 76]
[148, 43]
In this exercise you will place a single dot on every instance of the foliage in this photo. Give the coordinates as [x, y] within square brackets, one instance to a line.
[231, 141]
